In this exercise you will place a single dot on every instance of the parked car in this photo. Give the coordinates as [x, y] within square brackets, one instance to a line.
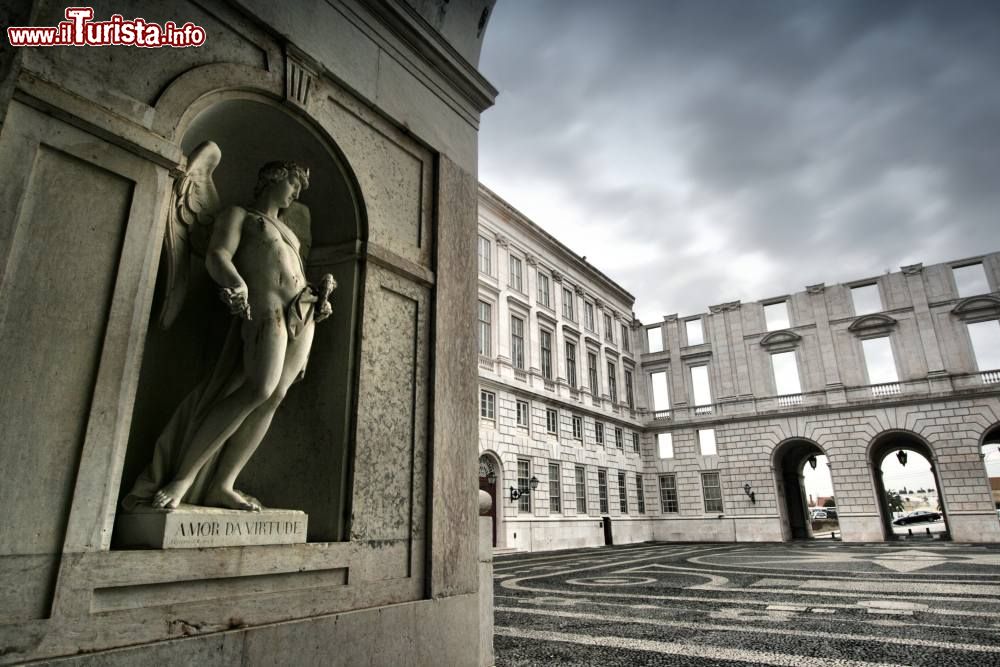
[831, 512]
[920, 516]
[818, 514]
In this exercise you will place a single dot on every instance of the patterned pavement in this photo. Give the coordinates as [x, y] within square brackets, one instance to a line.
[803, 604]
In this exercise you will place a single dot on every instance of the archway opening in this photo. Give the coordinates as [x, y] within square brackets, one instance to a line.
[806, 501]
[990, 451]
[908, 488]
[489, 481]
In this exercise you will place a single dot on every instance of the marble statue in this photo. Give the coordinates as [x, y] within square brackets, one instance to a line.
[256, 256]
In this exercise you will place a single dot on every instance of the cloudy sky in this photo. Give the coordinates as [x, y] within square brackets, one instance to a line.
[705, 151]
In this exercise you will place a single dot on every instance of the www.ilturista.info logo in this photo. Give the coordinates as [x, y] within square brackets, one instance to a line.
[80, 30]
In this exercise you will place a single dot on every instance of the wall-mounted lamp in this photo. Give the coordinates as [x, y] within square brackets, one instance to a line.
[901, 455]
[747, 489]
[517, 493]
[813, 461]
[492, 477]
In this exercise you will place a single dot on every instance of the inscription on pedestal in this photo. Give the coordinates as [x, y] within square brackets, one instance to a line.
[198, 527]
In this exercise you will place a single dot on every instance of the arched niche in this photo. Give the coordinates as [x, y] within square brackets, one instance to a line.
[891, 442]
[788, 460]
[305, 460]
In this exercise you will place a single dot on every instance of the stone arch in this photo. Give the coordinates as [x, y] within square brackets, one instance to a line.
[489, 461]
[788, 459]
[880, 447]
[989, 445]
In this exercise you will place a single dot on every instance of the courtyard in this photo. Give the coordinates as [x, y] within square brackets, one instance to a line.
[810, 603]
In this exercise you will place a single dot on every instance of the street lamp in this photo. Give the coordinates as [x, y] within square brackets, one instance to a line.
[517, 493]
[747, 489]
[813, 461]
[492, 477]
[901, 455]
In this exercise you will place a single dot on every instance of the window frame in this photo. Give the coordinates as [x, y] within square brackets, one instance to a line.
[619, 438]
[599, 433]
[602, 491]
[613, 382]
[524, 486]
[701, 330]
[545, 352]
[580, 485]
[487, 405]
[592, 373]
[660, 449]
[636, 446]
[485, 341]
[488, 257]
[640, 494]
[518, 284]
[577, 425]
[568, 311]
[668, 505]
[609, 329]
[552, 421]
[546, 279]
[705, 474]
[517, 356]
[622, 492]
[557, 487]
[570, 362]
[527, 414]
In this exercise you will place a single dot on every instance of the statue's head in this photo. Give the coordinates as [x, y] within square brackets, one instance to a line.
[279, 170]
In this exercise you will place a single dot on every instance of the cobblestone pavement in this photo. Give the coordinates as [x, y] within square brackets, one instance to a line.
[803, 604]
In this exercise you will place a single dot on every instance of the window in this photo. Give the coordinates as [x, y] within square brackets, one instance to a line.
[879, 360]
[635, 442]
[668, 494]
[524, 485]
[487, 404]
[546, 344]
[599, 432]
[661, 397]
[568, 304]
[786, 373]
[544, 290]
[706, 441]
[552, 420]
[985, 338]
[602, 490]
[485, 329]
[517, 342]
[626, 345]
[695, 335]
[665, 445]
[866, 299]
[485, 254]
[654, 339]
[699, 382]
[555, 494]
[516, 274]
[619, 438]
[571, 364]
[712, 490]
[629, 391]
[612, 384]
[595, 388]
[622, 494]
[588, 315]
[776, 316]
[609, 332]
[578, 427]
[971, 280]
[640, 495]
[581, 490]
[523, 414]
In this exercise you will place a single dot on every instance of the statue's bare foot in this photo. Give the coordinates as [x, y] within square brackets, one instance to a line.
[250, 499]
[231, 499]
[170, 496]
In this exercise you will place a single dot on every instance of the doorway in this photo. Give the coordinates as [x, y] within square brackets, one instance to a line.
[806, 501]
[908, 488]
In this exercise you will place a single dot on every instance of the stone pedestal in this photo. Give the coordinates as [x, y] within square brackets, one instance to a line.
[191, 527]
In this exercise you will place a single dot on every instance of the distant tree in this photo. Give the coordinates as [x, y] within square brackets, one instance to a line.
[904, 491]
[921, 490]
[830, 502]
[894, 500]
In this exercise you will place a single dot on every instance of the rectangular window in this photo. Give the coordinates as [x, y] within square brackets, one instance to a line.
[599, 432]
[776, 316]
[668, 494]
[654, 339]
[706, 441]
[712, 490]
[588, 315]
[544, 290]
[552, 421]
[971, 280]
[567, 310]
[699, 382]
[581, 490]
[485, 255]
[619, 439]
[612, 383]
[786, 373]
[487, 404]
[524, 485]
[665, 445]
[545, 338]
[985, 338]
[523, 414]
[555, 486]
[622, 494]
[866, 299]
[609, 332]
[517, 342]
[595, 388]
[640, 495]
[879, 360]
[578, 427]
[516, 274]
[635, 442]
[661, 396]
[602, 490]
[485, 329]
[626, 344]
[571, 364]
[629, 390]
[695, 334]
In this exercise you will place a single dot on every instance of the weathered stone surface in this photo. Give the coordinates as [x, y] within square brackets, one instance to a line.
[191, 527]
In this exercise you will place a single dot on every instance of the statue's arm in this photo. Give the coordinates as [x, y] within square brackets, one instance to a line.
[219, 260]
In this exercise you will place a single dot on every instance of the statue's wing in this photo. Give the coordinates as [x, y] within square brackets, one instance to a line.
[192, 211]
[299, 220]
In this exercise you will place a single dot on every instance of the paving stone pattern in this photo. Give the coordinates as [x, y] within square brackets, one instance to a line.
[801, 604]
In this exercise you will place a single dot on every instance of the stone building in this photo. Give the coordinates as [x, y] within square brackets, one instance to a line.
[729, 405]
